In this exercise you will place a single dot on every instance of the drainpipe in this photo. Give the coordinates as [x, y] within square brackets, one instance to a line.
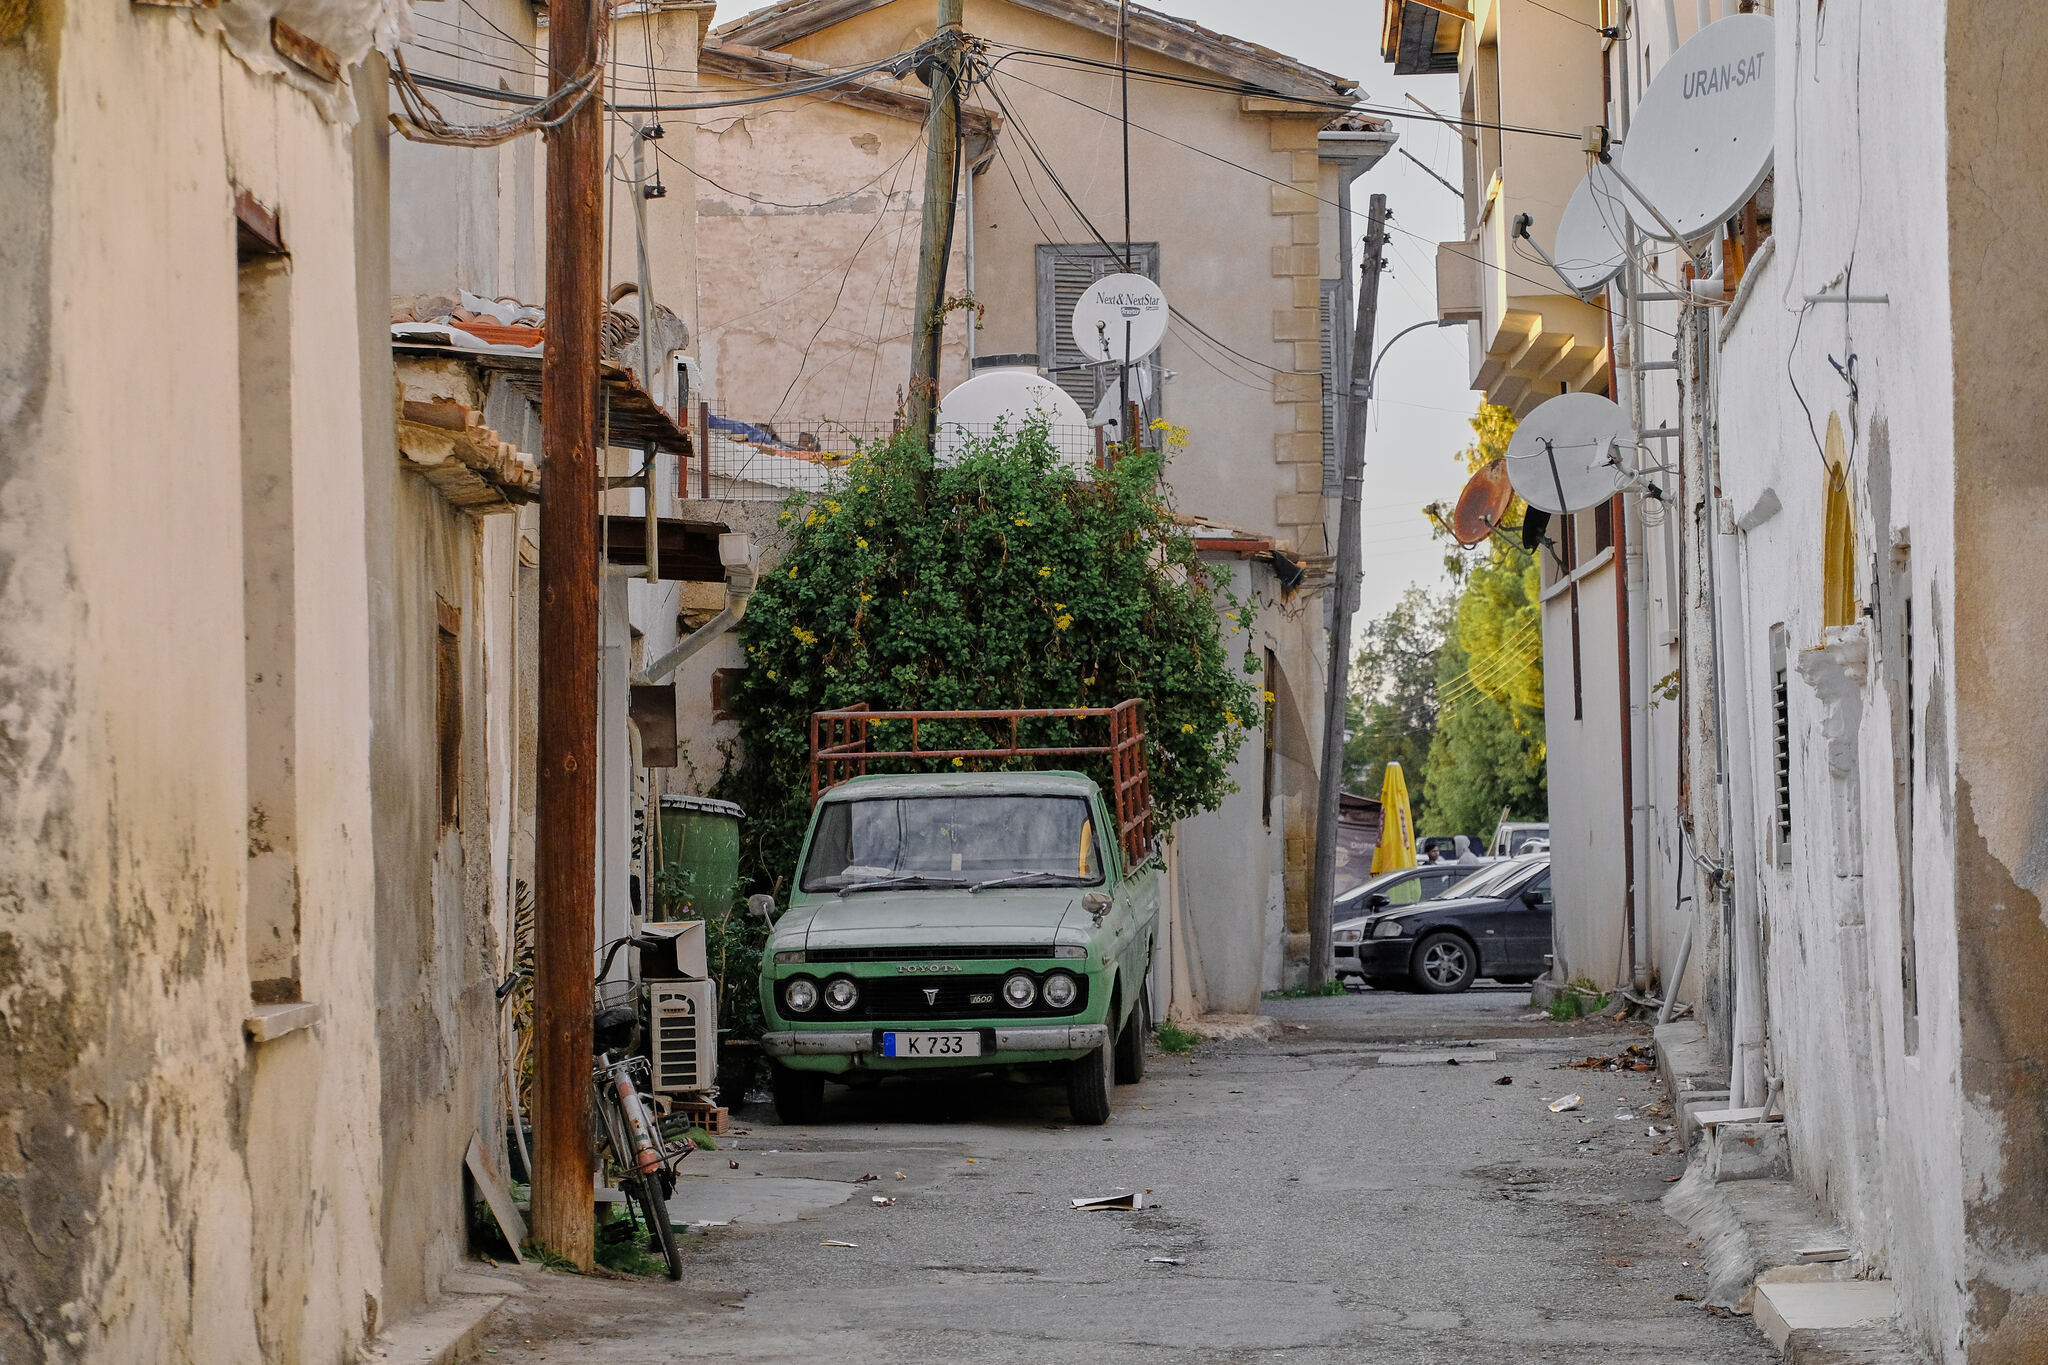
[736, 553]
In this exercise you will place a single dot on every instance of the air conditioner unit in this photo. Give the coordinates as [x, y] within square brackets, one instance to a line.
[685, 1036]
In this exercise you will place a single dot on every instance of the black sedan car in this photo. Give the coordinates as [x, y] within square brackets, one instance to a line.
[1496, 925]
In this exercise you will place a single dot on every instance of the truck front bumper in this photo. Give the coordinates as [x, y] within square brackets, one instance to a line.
[1058, 1038]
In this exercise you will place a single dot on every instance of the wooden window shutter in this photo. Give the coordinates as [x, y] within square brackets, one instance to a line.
[1064, 270]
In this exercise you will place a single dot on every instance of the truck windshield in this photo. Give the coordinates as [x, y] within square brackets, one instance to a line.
[952, 841]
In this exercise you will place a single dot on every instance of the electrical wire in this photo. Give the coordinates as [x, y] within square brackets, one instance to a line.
[1335, 105]
[1546, 286]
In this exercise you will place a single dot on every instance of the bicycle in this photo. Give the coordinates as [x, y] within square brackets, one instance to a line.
[634, 1144]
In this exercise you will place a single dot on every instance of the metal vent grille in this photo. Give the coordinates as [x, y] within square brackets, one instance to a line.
[1781, 758]
[683, 1021]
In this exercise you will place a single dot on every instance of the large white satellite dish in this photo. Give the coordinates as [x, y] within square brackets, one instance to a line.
[1568, 454]
[1012, 400]
[1114, 307]
[1589, 249]
[1700, 144]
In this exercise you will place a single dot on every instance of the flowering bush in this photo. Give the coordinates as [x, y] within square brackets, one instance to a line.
[1004, 580]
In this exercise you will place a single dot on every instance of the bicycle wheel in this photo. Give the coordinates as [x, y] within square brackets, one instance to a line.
[647, 1190]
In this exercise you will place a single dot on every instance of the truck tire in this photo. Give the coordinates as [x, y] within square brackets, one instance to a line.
[1090, 1080]
[799, 1095]
[1130, 1042]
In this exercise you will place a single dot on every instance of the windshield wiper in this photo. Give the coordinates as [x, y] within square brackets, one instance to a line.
[907, 879]
[1036, 879]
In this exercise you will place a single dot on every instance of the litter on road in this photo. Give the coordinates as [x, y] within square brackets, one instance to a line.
[1565, 1104]
[1505, 1080]
[838, 1244]
[1168, 1260]
[881, 1201]
[1111, 1201]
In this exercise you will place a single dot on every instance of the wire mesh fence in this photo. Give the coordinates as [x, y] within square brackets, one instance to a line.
[768, 460]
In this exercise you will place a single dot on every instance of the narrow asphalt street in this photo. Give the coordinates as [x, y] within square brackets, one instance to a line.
[1339, 1193]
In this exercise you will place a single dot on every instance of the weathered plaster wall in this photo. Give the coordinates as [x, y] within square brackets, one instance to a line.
[145, 1136]
[1587, 823]
[1879, 1128]
[1993, 111]
[810, 262]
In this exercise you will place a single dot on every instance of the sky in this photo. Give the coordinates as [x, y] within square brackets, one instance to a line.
[1419, 423]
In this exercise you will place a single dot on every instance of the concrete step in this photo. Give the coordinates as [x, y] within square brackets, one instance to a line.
[1819, 1306]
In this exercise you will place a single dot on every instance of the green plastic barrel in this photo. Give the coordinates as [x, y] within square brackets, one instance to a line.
[700, 855]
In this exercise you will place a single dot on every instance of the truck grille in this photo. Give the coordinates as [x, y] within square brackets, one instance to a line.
[1004, 952]
[954, 997]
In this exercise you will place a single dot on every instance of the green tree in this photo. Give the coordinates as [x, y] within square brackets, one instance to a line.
[1488, 750]
[1392, 710]
[1004, 580]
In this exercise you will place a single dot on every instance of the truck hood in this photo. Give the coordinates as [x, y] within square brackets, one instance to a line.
[872, 919]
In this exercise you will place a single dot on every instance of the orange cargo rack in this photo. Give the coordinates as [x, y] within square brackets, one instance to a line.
[839, 750]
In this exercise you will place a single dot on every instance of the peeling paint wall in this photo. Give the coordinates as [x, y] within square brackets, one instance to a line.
[169, 1190]
[1874, 1078]
[1997, 189]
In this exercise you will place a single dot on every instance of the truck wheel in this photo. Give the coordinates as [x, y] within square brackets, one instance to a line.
[799, 1095]
[1090, 1080]
[1130, 1043]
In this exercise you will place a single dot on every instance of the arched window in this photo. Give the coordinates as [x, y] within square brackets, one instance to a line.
[1838, 567]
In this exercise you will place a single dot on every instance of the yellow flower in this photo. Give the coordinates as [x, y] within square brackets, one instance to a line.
[1044, 571]
[1268, 696]
[1062, 621]
[1021, 521]
[1087, 680]
[792, 571]
[1187, 729]
[803, 636]
[867, 597]
[771, 675]
[862, 543]
[832, 506]
[1230, 718]
[959, 762]
[864, 488]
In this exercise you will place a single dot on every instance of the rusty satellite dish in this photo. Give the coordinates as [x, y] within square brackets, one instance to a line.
[1483, 503]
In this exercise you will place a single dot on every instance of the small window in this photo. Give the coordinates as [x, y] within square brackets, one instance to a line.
[725, 686]
[448, 712]
[1781, 749]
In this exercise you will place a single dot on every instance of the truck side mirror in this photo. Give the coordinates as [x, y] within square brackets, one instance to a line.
[762, 905]
[1095, 903]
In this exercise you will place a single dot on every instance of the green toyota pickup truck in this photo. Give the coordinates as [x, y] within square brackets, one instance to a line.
[967, 921]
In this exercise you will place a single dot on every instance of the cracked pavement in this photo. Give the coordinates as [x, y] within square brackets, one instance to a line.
[1325, 1208]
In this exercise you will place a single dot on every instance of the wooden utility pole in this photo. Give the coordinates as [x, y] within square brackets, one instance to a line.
[565, 837]
[935, 239]
[1344, 583]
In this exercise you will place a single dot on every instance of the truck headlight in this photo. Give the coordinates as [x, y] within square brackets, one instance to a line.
[841, 994]
[800, 996]
[787, 958]
[1060, 990]
[1070, 950]
[1020, 990]
[1387, 928]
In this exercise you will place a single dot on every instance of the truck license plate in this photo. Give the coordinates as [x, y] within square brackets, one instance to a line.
[931, 1045]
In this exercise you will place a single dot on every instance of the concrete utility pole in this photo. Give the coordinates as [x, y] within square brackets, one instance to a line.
[935, 239]
[1344, 582]
[565, 841]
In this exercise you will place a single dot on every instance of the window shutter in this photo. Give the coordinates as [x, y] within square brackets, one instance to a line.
[1332, 482]
[1064, 271]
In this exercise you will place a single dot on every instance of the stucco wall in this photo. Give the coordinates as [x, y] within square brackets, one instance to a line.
[145, 1136]
[1871, 1087]
[1587, 822]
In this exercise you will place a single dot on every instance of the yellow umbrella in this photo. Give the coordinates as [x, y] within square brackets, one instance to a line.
[1396, 848]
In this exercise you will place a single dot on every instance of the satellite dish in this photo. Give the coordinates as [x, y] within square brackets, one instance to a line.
[1113, 307]
[1109, 413]
[1012, 400]
[1564, 455]
[1700, 144]
[1535, 522]
[1589, 249]
[1482, 504]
